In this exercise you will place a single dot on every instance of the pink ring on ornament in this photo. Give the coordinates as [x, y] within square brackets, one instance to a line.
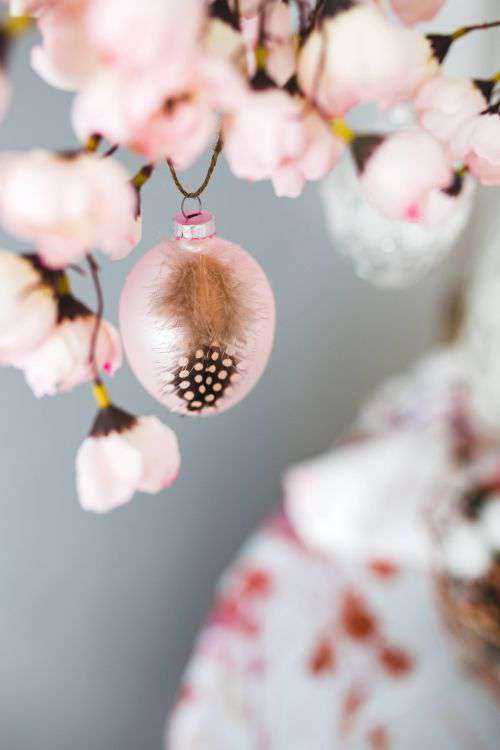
[195, 226]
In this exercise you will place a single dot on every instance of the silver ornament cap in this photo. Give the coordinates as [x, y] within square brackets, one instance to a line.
[197, 226]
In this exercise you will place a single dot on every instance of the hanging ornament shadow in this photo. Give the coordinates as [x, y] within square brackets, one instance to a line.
[197, 318]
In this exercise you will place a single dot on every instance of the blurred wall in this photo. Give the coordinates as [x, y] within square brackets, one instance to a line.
[97, 614]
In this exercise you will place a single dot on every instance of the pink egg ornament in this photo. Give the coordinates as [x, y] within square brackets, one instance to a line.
[197, 318]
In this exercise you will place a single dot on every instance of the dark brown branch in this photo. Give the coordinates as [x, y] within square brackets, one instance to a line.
[94, 273]
[111, 151]
[476, 27]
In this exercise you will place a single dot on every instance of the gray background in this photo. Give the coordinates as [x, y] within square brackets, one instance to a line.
[98, 614]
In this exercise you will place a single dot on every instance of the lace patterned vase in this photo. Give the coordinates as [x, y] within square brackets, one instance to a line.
[386, 253]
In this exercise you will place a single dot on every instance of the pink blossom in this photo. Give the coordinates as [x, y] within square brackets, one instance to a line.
[66, 59]
[156, 116]
[321, 151]
[358, 56]
[61, 362]
[82, 37]
[414, 11]
[131, 37]
[124, 454]
[404, 176]
[444, 104]
[28, 307]
[155, 123]
[67, 205]
[265, 128]
[273, 136]
[477, 145]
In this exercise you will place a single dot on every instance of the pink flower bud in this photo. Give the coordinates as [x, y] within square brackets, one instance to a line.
[28, 307]
[62, 362]
[358, 56]
[130, 36]
[444, 104]
[124, 454]
[477, 144]
[68, 205]
[273, 135]
[65, 59]
[407, 176]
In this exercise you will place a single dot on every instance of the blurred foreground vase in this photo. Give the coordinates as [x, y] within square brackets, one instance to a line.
[386, 253]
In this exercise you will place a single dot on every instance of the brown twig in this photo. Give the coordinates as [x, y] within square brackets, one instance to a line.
[94, 273]
[111, 150]
[237, 14]
[315, 13]
[475, 27]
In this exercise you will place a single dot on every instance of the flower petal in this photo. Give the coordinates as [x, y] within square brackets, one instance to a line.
[28, 310]
[108, 470]
[160, 453]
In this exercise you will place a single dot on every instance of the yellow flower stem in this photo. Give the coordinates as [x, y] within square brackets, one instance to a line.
[342, 129]
[261, 57]
[101, 395]
[18, 25]
[62, 285]
[463, 30]
[142, 176]
[93, 142]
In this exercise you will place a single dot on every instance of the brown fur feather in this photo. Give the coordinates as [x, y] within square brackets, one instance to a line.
[206, 300]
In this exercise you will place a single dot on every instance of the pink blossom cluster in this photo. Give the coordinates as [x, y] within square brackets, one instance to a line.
[274, 78]
[162, 81]
[47, 333]
[67, 204]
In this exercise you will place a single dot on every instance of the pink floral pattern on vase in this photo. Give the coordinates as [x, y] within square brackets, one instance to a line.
[316, 649]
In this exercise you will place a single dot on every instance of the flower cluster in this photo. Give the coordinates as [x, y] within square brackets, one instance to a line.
[161, 82]
[59, 343]
[273, 80]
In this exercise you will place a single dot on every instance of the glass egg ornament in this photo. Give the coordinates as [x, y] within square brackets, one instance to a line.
[197, 318]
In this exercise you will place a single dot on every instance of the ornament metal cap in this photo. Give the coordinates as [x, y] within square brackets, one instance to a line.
[198, 226]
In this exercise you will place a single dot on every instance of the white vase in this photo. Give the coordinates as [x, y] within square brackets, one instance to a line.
[386, 253]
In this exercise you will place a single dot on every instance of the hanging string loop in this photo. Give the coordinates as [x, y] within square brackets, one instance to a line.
[195, 194]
